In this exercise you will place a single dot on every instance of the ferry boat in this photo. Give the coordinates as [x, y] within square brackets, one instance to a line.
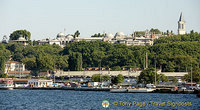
[6, 84]
[139, 90]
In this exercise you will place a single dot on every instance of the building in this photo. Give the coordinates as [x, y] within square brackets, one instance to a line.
[17, 69]
[60, 40]
[119, 37]
[40, 83]
[129, 40]
[22, 40]
[181, 25]
[44, 74]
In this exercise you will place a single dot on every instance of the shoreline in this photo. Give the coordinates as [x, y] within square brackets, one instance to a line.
[157, 90]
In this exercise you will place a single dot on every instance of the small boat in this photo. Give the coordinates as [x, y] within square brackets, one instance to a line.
[141, 90]
[118, 90]
[6, 84]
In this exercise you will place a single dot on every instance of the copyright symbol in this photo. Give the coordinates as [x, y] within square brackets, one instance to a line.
[115, 103]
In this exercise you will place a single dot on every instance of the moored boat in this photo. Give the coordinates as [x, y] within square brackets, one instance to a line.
[141, 90]
[118, 90]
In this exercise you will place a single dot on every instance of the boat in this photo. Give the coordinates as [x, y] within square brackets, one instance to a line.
[6, 84]
[118, 90]
[141, 90]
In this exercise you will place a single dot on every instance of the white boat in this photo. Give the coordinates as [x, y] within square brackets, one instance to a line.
[141, 90]
[6, 84]
[118, 90]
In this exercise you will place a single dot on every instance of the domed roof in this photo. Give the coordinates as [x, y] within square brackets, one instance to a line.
[69, 36]
[109, 36]
[119, 34]
[60, 35]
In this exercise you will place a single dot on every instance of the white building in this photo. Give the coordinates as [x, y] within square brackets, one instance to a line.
[17, 69]
[21, 40]
[60, 40]
[119, 37]
[40, 83]
[181, 25]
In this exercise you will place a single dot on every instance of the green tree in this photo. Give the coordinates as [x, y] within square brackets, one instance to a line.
[62, 78]
[45, 62]
[75, 61]
[148, 76]
[195, 75]
[76, 34]
[163, 78]
[118, 79]
[98, 35]
[2, 65]
[106, 77]
[174, 79]
[96, 78]
[16, 34]
[30, 63]
[156, 31]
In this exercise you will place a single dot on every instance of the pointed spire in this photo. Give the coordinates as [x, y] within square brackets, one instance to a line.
[181, 17]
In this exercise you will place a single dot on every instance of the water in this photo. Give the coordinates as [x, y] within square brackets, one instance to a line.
[88, 100]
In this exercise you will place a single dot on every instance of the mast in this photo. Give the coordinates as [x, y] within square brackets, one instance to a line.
[155, 71]
[191, 72]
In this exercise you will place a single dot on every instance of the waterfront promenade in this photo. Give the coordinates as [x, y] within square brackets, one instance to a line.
[112, 73]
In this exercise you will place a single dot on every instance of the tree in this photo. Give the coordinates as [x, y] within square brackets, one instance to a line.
[148, 76]
[76, 34]
[163, 78]
[106, 77]
[16, 34]
[195, 75]
[174, 79]
[156, 31]
[96, 78]
[62, 78]
[30, 63]
[75, 61]
[118, 79]
[98, 35]
[62, 62]
[45, 62]
[2, 65]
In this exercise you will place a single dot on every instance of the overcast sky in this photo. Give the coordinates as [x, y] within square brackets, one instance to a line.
[46, 18]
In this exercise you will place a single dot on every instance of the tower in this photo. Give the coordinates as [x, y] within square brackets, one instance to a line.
[181, 25]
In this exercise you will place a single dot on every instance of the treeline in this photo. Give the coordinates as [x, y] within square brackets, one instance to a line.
[174, 53]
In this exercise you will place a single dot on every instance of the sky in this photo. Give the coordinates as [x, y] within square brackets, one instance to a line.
[46, 18]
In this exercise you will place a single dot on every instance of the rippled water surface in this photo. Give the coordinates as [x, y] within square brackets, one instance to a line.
[88, 100]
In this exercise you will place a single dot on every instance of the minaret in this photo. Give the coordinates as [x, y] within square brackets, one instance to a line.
[181, 25]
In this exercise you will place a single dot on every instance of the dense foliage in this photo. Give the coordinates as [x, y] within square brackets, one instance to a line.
[100, 78]
[118, 79]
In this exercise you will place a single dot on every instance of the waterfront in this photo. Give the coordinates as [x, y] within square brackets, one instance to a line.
[88, 100]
